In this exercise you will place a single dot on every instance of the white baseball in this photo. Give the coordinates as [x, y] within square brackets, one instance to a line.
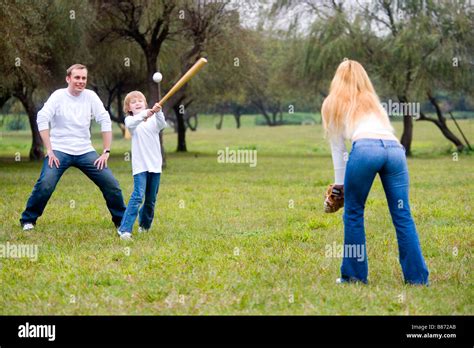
[157, 77]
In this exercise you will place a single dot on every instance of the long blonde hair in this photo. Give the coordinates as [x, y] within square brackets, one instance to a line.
[351, 98]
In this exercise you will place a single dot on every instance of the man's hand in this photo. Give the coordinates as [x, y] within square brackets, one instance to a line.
[101, 162]
[52, 159]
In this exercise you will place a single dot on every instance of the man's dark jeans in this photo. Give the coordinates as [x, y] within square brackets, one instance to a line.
[49, 177]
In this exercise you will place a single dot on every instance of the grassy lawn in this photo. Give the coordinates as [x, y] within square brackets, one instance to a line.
[231, 239]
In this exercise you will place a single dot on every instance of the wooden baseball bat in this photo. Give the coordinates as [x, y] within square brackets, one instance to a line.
[185, 78]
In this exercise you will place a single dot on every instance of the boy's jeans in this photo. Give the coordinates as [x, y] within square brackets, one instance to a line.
[145, 185]
[49, 177]
[367, 158]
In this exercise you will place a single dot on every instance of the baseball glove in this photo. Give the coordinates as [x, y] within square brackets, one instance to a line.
[334, 199]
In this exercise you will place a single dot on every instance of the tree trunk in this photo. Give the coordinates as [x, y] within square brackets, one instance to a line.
[274, 116]
[181, 130]
[120, 114]
[36, 150]
[189, 124]
[221, 120]
[260, 106]
[267, 118]
[407, 135]
[152, 85]
[445, 130]
[237, 116]
[441, 124]
[154, 94]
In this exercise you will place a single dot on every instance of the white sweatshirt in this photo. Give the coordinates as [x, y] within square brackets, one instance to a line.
[146, 148]
[69, 119]
[372, 125]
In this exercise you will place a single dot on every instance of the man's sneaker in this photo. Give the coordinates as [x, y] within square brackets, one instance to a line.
[126, 236]
[142, 230]
[28, 226]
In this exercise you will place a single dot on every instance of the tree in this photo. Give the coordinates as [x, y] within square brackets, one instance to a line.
[37, 40]
[148, 24]
[402, 45]
[220, 87]
[447, 66]
[190, 26]
[424, 38]
[268, 82]
[115, 76]
[205, 25]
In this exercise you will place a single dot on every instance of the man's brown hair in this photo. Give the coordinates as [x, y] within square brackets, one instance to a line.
[74, 66]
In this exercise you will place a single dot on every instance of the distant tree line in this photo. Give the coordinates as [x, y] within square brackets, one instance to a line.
[415, 51]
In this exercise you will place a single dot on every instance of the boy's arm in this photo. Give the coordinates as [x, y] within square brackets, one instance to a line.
[160, 117]
[160, 121]
[132, 122]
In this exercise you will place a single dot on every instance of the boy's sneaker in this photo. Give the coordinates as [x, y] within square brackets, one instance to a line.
[350, 281]
[126, 236]
[142, 230]
[28, 226]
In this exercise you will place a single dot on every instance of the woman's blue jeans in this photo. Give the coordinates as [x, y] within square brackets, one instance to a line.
[367, 158]
[145, 187]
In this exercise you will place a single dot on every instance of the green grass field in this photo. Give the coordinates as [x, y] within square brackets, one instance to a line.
[231, 239]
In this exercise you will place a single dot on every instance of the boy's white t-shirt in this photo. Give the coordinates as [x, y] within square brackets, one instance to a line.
[68, 118]
[146, 148]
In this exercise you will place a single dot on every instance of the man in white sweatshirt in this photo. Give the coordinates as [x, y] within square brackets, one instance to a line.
[64, 125]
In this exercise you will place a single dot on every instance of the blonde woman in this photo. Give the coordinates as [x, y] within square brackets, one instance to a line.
[353, 111]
